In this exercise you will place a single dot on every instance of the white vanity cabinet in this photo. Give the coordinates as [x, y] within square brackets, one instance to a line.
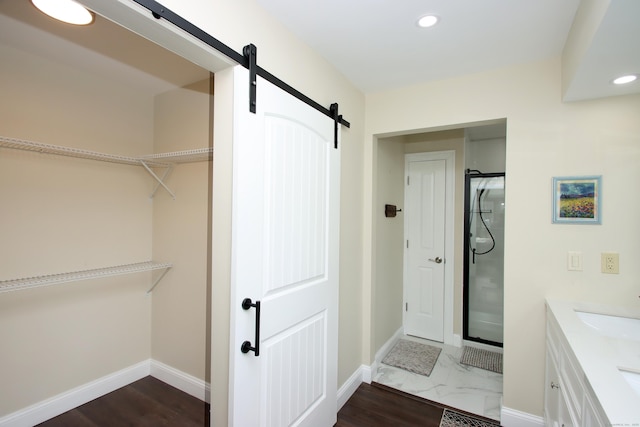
[568, 399]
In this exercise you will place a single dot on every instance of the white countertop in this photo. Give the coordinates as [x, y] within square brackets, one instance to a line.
[600, 357]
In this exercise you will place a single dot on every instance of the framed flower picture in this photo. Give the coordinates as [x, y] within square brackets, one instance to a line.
[577, 200]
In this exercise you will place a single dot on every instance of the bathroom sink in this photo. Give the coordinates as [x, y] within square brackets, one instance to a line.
[612, 326]
[633, 378]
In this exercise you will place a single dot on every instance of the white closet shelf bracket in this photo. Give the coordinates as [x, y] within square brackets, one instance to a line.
[158, 279]
[169, 159]
[52, 279]
[158, 179]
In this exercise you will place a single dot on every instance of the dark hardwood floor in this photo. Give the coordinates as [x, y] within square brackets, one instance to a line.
[147, 402]
[151, 402]
[375, 405]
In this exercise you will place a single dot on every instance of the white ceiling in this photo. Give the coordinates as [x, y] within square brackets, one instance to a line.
[377, 45]
[102, 48]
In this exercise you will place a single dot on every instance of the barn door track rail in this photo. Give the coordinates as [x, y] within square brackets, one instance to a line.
[248, 59]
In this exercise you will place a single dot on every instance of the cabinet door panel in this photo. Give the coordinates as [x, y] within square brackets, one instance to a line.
[552, 394]
[591, 416]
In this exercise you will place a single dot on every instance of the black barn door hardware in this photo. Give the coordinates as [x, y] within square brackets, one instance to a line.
[160, 12]
[246, 346]
[336, 120]
[251, 53]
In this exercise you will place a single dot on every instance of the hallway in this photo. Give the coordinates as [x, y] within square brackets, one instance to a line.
[459, 386]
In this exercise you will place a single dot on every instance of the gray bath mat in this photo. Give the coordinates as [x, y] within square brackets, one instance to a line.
[483, 359]
[455, 419]
[413, 357]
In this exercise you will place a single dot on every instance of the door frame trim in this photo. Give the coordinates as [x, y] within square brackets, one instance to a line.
[449, 156]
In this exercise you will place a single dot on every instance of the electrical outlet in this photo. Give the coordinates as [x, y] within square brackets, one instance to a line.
[610, 262]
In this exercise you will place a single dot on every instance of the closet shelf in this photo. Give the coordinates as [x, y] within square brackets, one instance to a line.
[52, 279]
[161, 160]
[186, 156]
[21, 144]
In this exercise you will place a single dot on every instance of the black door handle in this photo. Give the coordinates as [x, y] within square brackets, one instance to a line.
[246, 346]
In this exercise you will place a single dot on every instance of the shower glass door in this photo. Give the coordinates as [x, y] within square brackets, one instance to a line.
[484, 258]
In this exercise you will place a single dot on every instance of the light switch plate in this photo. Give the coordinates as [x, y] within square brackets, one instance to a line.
[574, 261]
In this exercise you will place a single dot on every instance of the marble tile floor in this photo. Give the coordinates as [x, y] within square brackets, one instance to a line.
[463, 387]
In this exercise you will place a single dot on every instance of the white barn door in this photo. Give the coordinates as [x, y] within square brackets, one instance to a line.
[284, 256]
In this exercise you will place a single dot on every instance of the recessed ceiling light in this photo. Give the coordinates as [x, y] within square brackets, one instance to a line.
[427, 21]
[625, 79]
[65, 10]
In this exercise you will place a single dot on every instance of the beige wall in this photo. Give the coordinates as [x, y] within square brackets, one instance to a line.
[179, 323]
[545, 138]
[487, 155]
[62, 214]
[389, 248]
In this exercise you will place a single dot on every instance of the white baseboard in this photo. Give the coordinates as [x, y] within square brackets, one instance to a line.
[514, 418]
[457, 340]
[382, 351]
[63, 402]
[350, 386]
[366, 374]
[181, 380]
[75, 397]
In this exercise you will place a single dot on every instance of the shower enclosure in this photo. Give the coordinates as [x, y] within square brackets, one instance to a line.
[484, 257]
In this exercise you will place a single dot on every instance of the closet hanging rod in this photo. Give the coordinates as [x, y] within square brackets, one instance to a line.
[52, 279]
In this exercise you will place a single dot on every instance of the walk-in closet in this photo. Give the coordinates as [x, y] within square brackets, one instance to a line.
[105, 195]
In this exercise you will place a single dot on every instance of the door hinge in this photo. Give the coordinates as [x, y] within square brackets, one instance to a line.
[407, 244]
[406, 306]
[408, 180]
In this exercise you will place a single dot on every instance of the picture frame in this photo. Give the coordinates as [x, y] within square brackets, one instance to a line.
[577, 200]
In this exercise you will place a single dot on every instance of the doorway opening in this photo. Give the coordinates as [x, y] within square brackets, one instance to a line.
[484, 257]
[480, 146]
[101, 104]
[484, 208]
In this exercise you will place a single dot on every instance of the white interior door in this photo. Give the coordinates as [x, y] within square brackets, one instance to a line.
[425, 222]
[285, 255]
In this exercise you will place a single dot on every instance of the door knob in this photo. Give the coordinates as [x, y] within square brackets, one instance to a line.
[438, 260]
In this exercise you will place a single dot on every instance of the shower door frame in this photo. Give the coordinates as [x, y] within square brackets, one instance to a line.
[465, 275]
